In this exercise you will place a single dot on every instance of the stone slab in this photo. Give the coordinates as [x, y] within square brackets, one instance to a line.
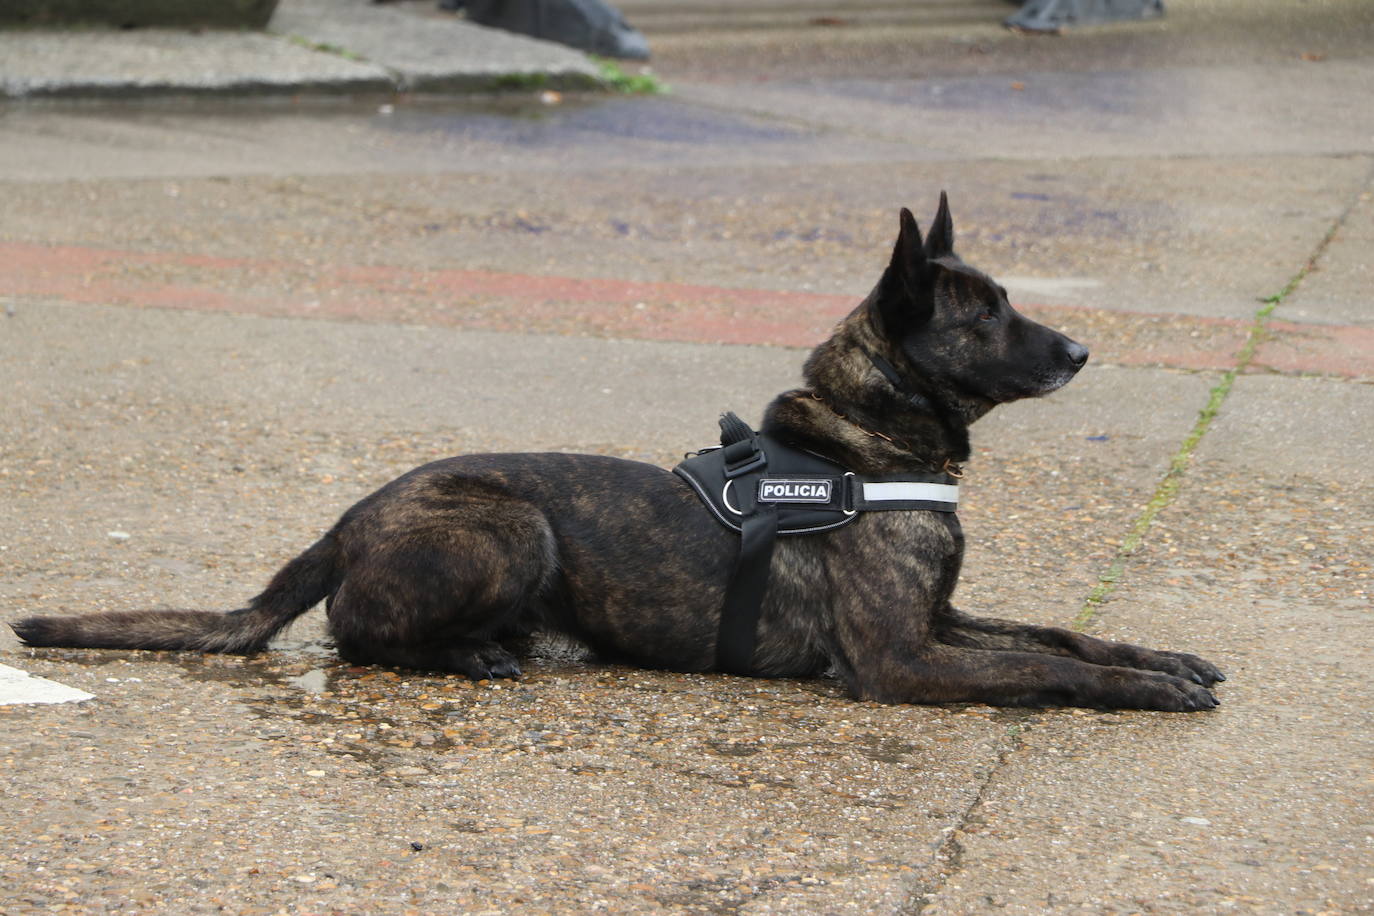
[149, 62]
[1317, 428]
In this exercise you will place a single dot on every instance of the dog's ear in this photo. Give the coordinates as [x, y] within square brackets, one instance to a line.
[903, 301]
[940, 242]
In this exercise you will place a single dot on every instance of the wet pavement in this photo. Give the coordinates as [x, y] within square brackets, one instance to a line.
[224, 324]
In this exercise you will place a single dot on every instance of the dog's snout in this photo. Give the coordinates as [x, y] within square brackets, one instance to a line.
[1078, 354]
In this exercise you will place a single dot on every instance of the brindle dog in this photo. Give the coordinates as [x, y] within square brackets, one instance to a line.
[450, 565]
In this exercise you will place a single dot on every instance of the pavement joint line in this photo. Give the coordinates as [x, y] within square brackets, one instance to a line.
[398, 79]
[1172, 481]
[324, 47]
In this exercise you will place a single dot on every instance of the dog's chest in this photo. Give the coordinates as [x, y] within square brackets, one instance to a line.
[902, 551]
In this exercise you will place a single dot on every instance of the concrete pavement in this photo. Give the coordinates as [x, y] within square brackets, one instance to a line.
[224, 323]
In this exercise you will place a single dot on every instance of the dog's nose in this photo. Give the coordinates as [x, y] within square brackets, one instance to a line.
[1078, 354]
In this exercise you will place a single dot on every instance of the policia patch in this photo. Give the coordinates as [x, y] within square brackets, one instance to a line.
[795, 491]
[761, 488]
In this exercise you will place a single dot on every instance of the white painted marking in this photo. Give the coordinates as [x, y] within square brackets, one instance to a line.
[21, 687]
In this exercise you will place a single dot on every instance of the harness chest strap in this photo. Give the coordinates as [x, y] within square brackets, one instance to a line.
[762, 488]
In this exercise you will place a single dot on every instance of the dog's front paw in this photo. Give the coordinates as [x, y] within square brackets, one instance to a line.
[1134, 688]
[1191, 667]
[1168, 693]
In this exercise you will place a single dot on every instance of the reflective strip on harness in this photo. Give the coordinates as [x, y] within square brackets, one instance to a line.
[923, 492]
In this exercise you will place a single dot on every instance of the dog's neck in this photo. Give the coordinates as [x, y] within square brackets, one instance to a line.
[811, 421]
[852, 413]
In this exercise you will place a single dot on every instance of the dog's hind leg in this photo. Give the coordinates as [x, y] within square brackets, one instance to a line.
[438, 591]
[474, 658]
[955, 628]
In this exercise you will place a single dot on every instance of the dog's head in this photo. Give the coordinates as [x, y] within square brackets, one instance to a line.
[956, 336]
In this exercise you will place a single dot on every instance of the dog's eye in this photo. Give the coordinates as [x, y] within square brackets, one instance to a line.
[989, 315]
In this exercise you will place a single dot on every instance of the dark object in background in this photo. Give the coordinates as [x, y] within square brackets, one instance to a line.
[128, 14]
[588, 25]
[1053, 15]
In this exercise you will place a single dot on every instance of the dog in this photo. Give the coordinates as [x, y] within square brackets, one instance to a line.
[448, 567]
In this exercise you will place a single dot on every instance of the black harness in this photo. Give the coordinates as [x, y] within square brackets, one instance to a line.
[761, 488]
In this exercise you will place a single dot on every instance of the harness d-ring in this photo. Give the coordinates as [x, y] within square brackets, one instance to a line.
[725, 497]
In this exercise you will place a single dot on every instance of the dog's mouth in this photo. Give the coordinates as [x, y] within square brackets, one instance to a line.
[1058, 380]
[1044, 379]
[1039, 385]
[1066, 366]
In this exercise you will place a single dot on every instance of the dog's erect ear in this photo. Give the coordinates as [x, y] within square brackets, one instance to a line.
[941, 239]
[903, 301]
[908, 250]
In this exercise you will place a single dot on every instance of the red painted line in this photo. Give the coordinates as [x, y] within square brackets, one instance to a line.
[1340, 350]
[468, 298]
[494, 300]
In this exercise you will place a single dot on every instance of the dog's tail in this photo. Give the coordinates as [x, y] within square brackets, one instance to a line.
[297, 587]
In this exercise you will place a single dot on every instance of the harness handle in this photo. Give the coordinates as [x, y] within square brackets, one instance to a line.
[740, 446]
[733, 429]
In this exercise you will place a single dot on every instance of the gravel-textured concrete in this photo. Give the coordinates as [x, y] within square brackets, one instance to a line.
[221, 325]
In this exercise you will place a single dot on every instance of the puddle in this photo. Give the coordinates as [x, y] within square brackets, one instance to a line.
[399, 724]
[727, 748]
[587, 121]
[316, 680]
[396, 724]
[885, 749]
[1080, 95]
[315, 648]
[86, 658]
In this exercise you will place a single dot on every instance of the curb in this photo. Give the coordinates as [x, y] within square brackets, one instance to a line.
[310, 48]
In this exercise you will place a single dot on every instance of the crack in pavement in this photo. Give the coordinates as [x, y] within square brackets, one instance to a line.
[948, 857]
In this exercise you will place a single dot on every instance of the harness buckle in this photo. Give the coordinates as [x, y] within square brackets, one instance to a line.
[743, 456]
[757, 460]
